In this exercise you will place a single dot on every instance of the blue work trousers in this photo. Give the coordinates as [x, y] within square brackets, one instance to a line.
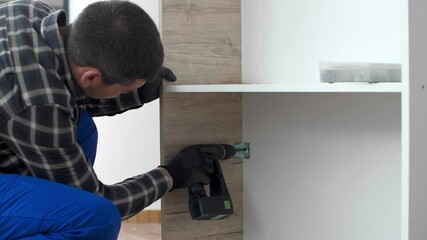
[33, 208]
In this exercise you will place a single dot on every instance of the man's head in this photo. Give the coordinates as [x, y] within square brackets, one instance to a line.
[114, 42]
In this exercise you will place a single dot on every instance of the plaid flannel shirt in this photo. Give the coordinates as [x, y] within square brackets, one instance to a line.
[39, 108]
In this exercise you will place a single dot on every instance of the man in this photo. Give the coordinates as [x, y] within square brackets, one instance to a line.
[53, 78]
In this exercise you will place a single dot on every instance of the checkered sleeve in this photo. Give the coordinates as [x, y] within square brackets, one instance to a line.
[43, 138]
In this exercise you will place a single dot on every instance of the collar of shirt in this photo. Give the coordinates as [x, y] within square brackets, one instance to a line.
[51, 34]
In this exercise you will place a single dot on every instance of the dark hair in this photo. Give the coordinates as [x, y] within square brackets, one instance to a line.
[119, 39]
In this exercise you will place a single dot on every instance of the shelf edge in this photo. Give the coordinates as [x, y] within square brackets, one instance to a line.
[323, 87]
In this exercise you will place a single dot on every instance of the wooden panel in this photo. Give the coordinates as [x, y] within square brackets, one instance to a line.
[146, 216]
[202, 40]
[201, 118]
[202, 46]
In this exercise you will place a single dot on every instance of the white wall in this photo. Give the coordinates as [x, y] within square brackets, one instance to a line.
[129, 144]
[150, 6]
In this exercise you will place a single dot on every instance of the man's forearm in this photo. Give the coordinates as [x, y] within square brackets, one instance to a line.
[134, 194]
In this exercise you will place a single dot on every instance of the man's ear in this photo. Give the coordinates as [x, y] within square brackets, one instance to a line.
[90, 77]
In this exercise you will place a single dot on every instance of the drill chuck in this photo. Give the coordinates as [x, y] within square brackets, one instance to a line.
[226, 151]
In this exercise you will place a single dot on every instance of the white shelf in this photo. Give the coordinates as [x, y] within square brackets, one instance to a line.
[321, 87]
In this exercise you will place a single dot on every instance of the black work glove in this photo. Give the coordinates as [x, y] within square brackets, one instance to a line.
[193, 165]
[150, 91]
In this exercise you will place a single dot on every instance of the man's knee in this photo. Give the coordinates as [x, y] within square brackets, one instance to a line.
[56, 211]
[94, 217]
[104, 217]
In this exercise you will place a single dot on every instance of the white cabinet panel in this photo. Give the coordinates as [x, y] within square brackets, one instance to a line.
[323, 166]
[283, 41]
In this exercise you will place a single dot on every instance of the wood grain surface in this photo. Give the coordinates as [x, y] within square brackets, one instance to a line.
[202, 42]
[146, 216]
[193, 118]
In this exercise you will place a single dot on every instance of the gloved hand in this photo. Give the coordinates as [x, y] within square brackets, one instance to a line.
[150, 91]
[193, 165]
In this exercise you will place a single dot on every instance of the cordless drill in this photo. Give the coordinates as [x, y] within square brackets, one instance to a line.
[218, 205]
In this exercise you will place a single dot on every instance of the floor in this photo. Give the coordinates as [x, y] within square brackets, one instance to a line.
[140, 231]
